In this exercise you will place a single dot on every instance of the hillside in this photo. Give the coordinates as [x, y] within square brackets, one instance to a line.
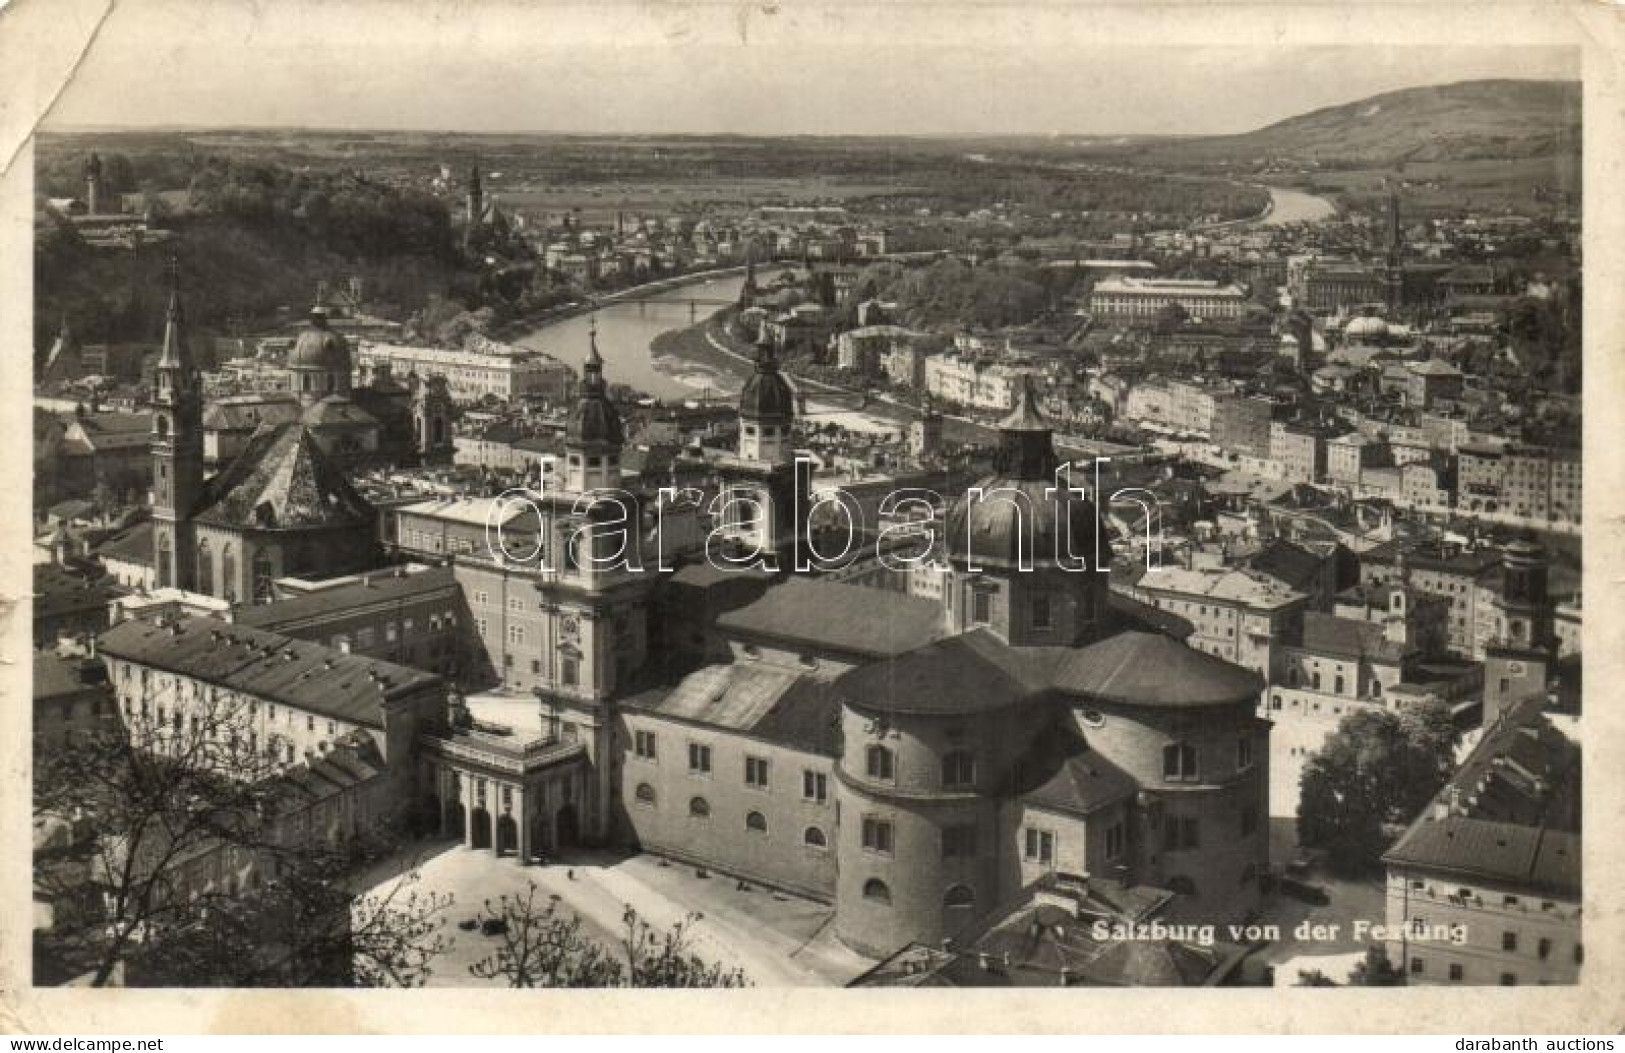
[1471, 120]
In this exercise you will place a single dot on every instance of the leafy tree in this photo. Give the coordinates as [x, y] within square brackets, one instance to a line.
[543, 946]
[1376, 768]
[156, 806]
[1376, 970]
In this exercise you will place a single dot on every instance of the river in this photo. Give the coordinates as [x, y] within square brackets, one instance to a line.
[1295, 206]
[626, 330]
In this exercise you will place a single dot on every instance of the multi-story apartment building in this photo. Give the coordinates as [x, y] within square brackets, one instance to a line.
[1463, 578]
[1299, 450]
[977, 382]
[1140, 300]
[1239, 615]
[1241, 424]
[1484, 887]
[507, 373]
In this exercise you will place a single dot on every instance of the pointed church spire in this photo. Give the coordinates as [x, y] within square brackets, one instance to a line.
[175, 354]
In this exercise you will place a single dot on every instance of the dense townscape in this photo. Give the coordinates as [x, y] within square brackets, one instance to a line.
[404, 614]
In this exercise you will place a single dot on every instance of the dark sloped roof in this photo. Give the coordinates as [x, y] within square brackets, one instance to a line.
[1527, 855]
[382, 587]
[776, 705]
[1292, 565]
[248, 414]
[55, 676]
[282, 481]
[132, 546]
[1078, 781]
[969, 673]
[336, 411]
[1349, 638]
[307, 676]
[1150, 669]
[58, 591]
[836, 617]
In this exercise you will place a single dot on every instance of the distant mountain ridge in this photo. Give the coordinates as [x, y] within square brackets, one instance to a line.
[1468, 120]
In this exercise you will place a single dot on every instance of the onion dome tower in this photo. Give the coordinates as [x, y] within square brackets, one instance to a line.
[763, 511]
[319, 364]
[594, 434]
[1029, 554]
[767, 408]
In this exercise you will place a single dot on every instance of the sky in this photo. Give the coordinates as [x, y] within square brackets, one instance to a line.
[675, 67]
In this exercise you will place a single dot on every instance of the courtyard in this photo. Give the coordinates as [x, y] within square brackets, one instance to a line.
[778, 940]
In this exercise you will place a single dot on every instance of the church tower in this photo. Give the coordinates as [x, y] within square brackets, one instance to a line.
[431, 420]
[1393, 275]
[594, 435]
[177, 447]
[1519, 656]
[764, 501]
[93, 185]
[475, 205]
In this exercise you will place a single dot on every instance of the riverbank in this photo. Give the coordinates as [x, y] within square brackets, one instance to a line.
[527, 324]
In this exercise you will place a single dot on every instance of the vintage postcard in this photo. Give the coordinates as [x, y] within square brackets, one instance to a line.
[823, 503]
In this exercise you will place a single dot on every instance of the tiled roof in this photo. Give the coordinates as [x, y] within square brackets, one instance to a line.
[1511, 812]
[307, 676]
[1328, 634]
[246, 414]
[58, 591]
[1150, 669]
[836, 617]
[282, 481]
[382, 587]
[977, 672]
[131, 546]
[1292, 565]
[1528, 855]
[777, 705]
[1078, 780]
[55, 676]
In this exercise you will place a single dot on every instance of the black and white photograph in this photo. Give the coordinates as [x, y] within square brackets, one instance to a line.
[829, 496]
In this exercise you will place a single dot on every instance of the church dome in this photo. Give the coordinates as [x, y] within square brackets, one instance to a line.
[1366, 327]
[320, 347]
[1020, 510]
[767, 395]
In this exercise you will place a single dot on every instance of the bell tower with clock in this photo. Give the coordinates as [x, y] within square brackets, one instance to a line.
[594, 606]
[177, 448]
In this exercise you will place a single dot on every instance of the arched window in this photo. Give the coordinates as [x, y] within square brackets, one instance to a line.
[876, 890]
[228, 572]
[1179, 762]
[814, 837]
[205, 568]
[880, 763]
[699, 807]
[756, 823]
[958, 768]
[645, 794]
[959, 896]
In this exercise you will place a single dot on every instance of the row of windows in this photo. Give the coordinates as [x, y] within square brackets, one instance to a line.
[814, 784]
[755, 822]
[1179, 759]
[958, 897]
[958, 767]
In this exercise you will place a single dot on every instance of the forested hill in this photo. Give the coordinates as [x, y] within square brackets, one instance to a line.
[1469, 120]
[250, 239]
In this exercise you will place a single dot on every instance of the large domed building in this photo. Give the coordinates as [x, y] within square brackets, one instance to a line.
[385, 422]
[931, 760]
